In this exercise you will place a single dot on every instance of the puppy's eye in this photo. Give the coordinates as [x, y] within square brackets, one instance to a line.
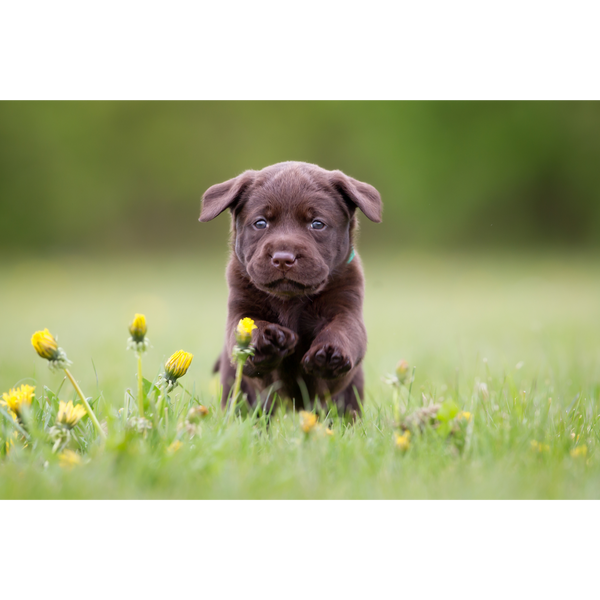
[260, 224]
[317, 225]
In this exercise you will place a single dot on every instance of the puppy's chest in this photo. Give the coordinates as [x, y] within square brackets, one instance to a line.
[305, 320]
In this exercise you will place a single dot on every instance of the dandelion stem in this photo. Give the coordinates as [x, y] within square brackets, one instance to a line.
[159, 404]
[241, 351]
[86, 404]
[396, 403]
[140, 386]
[412, 378]
[161, 399]
[237, 385]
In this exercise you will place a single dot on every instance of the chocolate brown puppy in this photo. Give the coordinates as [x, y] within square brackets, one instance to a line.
[294, 270]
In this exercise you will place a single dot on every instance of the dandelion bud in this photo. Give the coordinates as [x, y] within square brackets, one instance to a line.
[243, 333]
[45, 345]
[16, 398]
[69, 414]
[308, 421]
[138, 340]
[196, 414]
[177, 366]
[138, 328]
[403, 441]
[402, 371]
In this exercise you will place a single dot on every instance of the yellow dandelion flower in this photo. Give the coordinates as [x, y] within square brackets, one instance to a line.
[579, 451]
[69, 414]
[16, 398]
[403, 441]
[402, 371]
[45, 344]
[177, 366]
[46, 347]
[464, 414]
[69, 458]
[138, 328]
[138, 340]
[308, 421]
[244, 330]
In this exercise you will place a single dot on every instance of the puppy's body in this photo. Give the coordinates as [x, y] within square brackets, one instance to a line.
[294, 271]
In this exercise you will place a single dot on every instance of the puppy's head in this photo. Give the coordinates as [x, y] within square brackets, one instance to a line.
[292, 223]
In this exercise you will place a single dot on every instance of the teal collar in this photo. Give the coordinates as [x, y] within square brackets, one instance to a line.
[352, 255]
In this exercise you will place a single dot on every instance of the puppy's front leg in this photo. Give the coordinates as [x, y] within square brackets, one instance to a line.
[337, 349]
[272, 344]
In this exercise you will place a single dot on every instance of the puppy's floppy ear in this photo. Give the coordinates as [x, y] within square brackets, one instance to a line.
[360, 194]
[224, 195]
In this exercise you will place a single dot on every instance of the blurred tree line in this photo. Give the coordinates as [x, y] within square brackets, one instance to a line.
[110, 175]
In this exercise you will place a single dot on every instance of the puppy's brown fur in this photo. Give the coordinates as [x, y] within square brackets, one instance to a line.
[291, 271]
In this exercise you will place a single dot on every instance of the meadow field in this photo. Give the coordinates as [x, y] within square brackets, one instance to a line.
[510, 341]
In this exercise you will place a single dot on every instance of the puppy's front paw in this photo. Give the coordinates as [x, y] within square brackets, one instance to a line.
[273, 343]
[326, 361]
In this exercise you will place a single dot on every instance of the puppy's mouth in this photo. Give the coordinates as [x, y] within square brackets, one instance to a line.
[288, 288]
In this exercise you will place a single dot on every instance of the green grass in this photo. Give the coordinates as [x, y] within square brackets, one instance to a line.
[526, 326]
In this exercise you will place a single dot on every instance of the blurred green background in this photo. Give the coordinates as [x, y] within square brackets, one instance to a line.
[111, 176]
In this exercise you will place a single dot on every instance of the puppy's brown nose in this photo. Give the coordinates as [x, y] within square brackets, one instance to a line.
[283, 260]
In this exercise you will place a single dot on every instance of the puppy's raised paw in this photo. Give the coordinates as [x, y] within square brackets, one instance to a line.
[273, 343]
[326, 361]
